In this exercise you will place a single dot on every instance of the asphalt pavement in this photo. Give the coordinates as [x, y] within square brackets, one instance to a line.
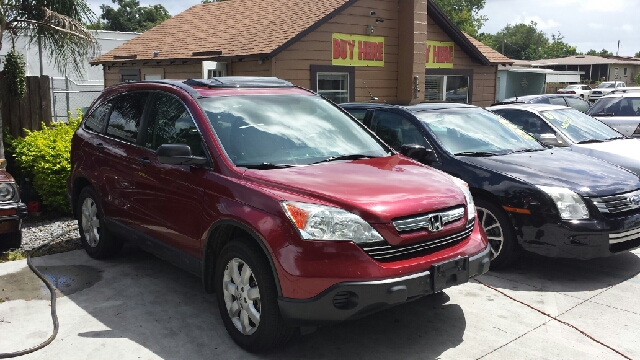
[139, 307]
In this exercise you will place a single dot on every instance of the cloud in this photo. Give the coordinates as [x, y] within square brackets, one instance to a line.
[591, 5]
[596, 26]
[542, 25]
[627, 27]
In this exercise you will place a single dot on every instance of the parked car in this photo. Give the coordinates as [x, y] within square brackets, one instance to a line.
[290, 209]
[605, 88]
[547, 201]
[565, 127]
[580, 90]
[556, 99]
[12, 211]
[620, 111]
[626, 90]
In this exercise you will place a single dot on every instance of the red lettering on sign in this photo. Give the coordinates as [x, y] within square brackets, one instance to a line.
[428, 53]
[351, 44]
[450, 55]
[360, 50]
[343, 49]
[380, 56]
[436, 54]
[336, 48]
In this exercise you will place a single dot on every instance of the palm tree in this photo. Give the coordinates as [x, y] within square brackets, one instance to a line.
[57, 26]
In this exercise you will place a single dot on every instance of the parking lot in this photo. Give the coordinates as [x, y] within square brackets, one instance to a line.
[139, 307]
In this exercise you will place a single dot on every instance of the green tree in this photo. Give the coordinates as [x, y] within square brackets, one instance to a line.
[602, 52]
[59, 27]
[637, 54]
[521, 41]
[464, 13]
[557, 48]
[130, 16]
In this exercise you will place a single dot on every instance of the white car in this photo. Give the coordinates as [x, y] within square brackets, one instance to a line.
[580, 90]
[621, 111]
[605, 88]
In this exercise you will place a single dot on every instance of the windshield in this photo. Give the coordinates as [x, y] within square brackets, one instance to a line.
[579, 127]
[286, 130]
[469, 131]
[616, 106]
[573, 87]
[606, 86]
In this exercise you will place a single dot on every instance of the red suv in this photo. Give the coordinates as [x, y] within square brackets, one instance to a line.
[287, 207]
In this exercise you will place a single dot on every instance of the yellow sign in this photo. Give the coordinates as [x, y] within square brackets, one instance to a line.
[439, 55]
[357, 50]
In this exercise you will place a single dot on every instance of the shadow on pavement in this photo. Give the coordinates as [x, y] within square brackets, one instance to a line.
[165, 310]
[538, 273]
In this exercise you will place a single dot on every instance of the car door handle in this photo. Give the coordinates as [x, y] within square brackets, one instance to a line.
[144, 161]
[99, 146]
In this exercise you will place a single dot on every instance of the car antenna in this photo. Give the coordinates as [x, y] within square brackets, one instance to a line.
[371, 97]
[516, 94]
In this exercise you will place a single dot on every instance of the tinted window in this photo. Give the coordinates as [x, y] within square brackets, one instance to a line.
[579, 127]
[171, 123]
[527, 121]
[578, 104]
[586, 88]
[286, 129]
[557, 101]
[126, 116]
[358, 113]
[395, 130]
[97, 119]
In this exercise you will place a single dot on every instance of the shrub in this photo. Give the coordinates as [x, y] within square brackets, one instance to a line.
[44, 156]
[638, 78]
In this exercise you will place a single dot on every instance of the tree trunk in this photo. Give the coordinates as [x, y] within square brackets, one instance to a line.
[3, 162]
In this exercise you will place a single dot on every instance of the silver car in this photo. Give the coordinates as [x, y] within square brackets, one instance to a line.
[570, 129]
[605, 88]
[620, 111]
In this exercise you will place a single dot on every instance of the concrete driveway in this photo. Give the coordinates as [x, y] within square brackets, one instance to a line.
[139, 307]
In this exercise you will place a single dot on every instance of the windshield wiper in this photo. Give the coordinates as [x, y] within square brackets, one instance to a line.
[344, 157]
[475, 153]
[590, 141]
[616, 138]
[603, 114]
[529, 150]
[265, 166]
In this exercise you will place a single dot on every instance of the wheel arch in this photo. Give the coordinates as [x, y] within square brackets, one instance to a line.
[220, 233]
[79, 184]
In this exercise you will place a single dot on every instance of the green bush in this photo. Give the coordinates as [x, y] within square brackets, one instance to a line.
[638, 78]
[44, 156]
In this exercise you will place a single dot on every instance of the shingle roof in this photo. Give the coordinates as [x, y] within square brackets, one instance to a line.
[235, 27]
[493, 56]
[579, 60]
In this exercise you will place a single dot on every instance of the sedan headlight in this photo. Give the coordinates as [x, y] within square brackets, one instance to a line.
[319, 222]
[471, 206]
[570, 204]
[8, 192]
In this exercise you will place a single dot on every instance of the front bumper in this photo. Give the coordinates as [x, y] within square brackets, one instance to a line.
[352, 300]
[581, 239]
[11, 216]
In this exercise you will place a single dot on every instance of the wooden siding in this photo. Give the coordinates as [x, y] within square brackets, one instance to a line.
[171, 71]
[315, 48]
[484, 76]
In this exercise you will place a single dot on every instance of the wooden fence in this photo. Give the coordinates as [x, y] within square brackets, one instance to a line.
[29, 112]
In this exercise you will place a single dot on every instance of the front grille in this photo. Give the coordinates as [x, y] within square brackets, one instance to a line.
[624, 241]
[618, 203]
[422, 221]
[382, 251]
[596, 92]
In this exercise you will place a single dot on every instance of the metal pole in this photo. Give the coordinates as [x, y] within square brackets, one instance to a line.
[40, 53]
[53, 100]
[66, 83]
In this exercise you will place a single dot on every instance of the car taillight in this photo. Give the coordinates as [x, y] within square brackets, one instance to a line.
[571, 92]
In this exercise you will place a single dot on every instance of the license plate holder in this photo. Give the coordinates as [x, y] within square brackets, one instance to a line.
[450, 273]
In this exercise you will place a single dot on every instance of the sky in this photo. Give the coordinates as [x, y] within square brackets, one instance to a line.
[587, 24]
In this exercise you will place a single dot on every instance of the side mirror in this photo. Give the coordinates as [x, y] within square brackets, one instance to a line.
[419, 153]
[178, 154]
[551, 139]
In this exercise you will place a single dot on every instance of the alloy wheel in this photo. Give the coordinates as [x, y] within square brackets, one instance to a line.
[90, 222]
[492, 228]
[241, 296]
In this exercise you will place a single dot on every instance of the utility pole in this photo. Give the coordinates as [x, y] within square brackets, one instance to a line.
[503, 41]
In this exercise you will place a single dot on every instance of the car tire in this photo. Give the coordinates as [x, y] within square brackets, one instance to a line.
[500, 234]
[94, 235]
[244, 285]
[11, 240]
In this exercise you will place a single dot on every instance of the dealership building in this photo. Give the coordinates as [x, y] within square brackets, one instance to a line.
[395, 51]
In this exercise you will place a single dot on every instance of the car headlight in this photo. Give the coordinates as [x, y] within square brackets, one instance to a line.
[319, 222]
[471, 206]
[8, 192]
[570, 204]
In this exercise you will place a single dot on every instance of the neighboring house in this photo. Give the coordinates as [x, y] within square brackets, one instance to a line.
[595, 68]
[398, 51]
[520, 81]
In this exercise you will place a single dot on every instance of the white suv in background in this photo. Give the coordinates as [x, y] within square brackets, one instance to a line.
[605, 88]
[621, 111]
[580, 90]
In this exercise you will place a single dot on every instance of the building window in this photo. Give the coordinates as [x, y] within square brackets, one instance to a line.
[211, 73]
[129, 75]
[336, 83]
[625, 72]
[448, 85]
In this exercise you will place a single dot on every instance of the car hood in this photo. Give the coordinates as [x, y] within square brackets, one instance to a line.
[5, 176]
[558, 167]
[622, 152]
[378, 189]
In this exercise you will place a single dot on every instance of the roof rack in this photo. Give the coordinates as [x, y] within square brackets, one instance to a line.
[239, 82]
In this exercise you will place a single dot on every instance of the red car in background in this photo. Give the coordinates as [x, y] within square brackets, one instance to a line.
[288, 208]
